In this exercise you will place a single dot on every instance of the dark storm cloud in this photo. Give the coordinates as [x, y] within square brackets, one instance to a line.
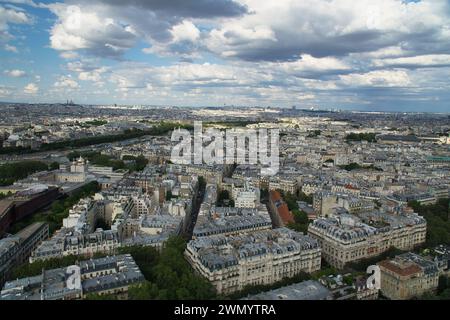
[185, 8]
[289, 46]
[151, 21]
[334, 28]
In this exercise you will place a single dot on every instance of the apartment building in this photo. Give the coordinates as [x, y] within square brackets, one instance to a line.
[16, 249]
[109, 275]
[149, 230]
[232, 221]
[309, 187]
[263, 257]
[408, 275]
[246, 196]
[287, 184]
[347, 238]
[325, 203]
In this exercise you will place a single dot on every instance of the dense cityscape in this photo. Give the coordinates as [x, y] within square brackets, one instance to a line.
[96, 187]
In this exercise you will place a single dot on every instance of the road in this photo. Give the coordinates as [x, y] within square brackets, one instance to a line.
[191, 219]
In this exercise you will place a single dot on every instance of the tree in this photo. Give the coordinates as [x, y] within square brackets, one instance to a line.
[300, 216]
[348, 280]
[264, 194]
[201, 183]
[301, 221]
[160, 129]
[73, 155]
[437, 217]
[95, 296]
[444, 284]
[301, 196]
[59, 209]
[314, 134]
[145, 257]
[11, 172]
[53, 166]
[143, 291]
[224, 199]
[369, 137]
[223, 195]
[35, 268]
[168, 274]
[141, 162]
[291, 201]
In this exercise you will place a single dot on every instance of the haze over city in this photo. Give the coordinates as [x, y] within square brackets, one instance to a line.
[367, 55]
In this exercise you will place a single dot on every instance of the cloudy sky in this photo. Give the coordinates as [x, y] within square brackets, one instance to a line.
[367, 54]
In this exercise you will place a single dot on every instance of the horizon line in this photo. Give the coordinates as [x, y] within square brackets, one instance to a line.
[315, 109]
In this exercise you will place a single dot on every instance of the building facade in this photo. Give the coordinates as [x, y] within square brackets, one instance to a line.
[346, 239]
[259, 258]
[408, 275]
[109, 275]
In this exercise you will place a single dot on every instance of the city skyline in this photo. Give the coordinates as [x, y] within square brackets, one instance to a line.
[371, 56]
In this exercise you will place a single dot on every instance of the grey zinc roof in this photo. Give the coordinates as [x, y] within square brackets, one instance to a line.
[53, 282]
[218, 251]
[334, 228]
[429, 267]
[7, 243]
[306, 290]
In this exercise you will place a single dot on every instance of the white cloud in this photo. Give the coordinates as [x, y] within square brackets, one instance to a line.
[281, 51]
[185, 31]
[379, 78]
[94, 75]
[5, 91]
[69, 55]
[11, 16]
[432, 60]
[10, 48]
[184, 74]
[66, 82]
[15, 73]
[189, 82]
[388, 52]
[27, 2]
[31, 88]
[284, 29]
[109, 28]
[307, 66]
[77, 28]
[87, 69]
[184, 42]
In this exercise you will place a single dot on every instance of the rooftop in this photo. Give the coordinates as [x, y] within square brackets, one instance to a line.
[218, 251]
[30, 230]
[52, 284]
[408, 264]
[306, 290]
